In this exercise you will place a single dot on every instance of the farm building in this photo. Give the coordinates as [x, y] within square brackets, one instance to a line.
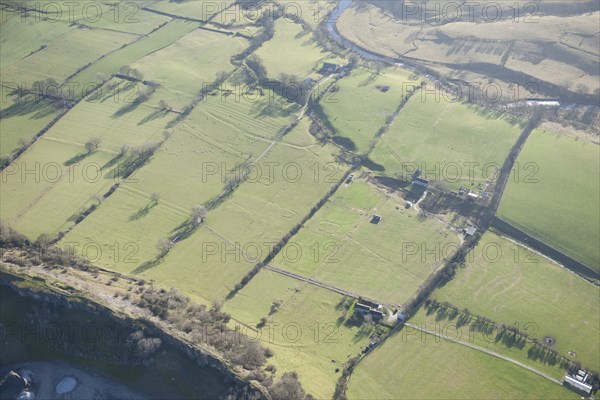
[577, 386]
[362, 308]
[376, 314]
[365, 309]
[470, 230]
[421, 182]
[472, 195]
[329, 68]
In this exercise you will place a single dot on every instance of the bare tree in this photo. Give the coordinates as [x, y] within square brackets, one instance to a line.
[251, 356]
[164, 106]
[92, 145]
[164, 246]
[198, 214]
[287, 388]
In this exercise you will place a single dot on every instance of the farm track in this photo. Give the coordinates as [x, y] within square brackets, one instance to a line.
[486, 351]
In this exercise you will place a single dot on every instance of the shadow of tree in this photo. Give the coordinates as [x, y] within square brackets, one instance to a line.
[31, 104]
[77, 158]
[153, 115]
[151, 263]
[345, 142]
[142, 212]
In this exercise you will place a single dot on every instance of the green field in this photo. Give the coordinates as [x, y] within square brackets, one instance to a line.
[109, 65]
[21, 38]
[386, 261]
[439, 321]
[556, 195]
[505, 276]
[203, 266]
[208, 145]
[358, 109]
[62, 173]
[306, 334]
[22, 119]
[187, 65]
[452, 143]
[280, 190]
[65, 55]
[416, 366]
[302, 53]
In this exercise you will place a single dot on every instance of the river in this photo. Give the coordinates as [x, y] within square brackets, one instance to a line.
[335, 35]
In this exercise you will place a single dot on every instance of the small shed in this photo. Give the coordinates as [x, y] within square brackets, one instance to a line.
[470, 230]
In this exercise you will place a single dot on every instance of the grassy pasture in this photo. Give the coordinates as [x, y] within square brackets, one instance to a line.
[279, 191]
[21, 190]
[192, 61]
[292, 51]
[214, 140]
[341, 246]
[126, 235]
[254, 301]
[30, 202]
[445, 139]
[127, 241]
[292, 332]
[556, 196]
[118, 123]
[21, 38]
[207, 146]
[64, 173]
[22, 119]
[501, 276]
[439, 322]
[418, 367]
[150, 43]
[359, 109]
[202, 266]
[65, 55]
